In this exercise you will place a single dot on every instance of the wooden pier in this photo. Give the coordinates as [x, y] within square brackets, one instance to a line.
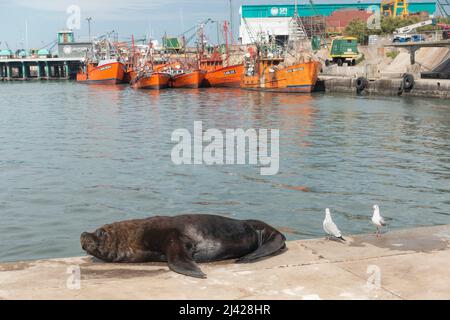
[39, 68]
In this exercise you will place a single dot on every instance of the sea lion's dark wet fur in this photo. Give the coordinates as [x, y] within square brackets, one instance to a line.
[183, 240]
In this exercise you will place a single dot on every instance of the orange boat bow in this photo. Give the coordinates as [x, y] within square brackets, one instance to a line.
[156, 80]
[109, 73]
[192, 79]
[225, 77]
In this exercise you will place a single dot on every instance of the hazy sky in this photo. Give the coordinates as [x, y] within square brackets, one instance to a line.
[139, 17]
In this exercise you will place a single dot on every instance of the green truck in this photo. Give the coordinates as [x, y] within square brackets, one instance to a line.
[343, 50]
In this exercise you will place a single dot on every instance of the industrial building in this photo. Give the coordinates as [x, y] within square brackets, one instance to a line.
[276, 19]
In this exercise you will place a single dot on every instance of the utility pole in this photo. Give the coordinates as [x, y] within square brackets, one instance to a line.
[89, 26]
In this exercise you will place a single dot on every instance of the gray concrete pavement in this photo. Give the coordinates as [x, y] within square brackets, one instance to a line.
[406, 264]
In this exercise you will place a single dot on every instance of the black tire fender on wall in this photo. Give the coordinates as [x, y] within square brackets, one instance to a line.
[361, 84]
[408, 82]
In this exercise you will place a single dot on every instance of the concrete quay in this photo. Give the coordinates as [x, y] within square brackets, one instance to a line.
[432, 88]
[403, 264]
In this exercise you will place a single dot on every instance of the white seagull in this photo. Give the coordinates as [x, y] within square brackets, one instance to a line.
[377, 219]
[330, 227]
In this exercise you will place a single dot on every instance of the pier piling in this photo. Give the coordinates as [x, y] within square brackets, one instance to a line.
[39, 68]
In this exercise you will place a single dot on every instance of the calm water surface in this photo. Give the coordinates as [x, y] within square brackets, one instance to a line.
[73, 157]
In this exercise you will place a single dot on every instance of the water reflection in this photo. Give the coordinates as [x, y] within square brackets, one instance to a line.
[97, 154]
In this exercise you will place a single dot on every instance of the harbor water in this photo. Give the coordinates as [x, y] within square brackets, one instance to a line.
[74, 157]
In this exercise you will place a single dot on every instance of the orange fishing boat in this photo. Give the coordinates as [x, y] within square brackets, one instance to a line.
[219, 76]
[150, 80]
[129, 73]
[225, 76]
[219, 73]
[148, 73]
[192, 79]
[300, 77]
[269, 72]
[105, 72]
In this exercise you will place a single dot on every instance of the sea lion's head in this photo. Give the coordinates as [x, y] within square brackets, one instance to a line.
[99, 243]
[111, 242]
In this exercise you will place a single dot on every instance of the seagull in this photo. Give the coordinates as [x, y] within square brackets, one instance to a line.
[330, 227]
[377, 219]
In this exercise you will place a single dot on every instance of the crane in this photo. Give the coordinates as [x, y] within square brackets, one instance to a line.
[403, 34]
[444, 5]
[313, 7]
[250, 32]
[392, 8]
[195, 27]
[412, 27]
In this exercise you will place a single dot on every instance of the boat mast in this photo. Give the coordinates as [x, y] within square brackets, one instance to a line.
[225, 31]
[201, 44]
[231, 20]
[133, 53]
[150, 51]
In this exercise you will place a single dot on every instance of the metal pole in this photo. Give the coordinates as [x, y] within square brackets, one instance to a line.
[89, 26]
[218, 32]
[26, 36]
[231, 20]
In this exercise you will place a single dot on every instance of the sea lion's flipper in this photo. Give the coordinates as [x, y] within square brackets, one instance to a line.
[271, 245]
[179, 260]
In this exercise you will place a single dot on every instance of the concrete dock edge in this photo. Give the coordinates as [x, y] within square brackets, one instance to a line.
[404, 264]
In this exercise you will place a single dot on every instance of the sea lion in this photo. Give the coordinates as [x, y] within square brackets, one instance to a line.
[183, 240]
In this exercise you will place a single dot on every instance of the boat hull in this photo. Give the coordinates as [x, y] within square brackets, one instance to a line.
[192, 80]
[154, 81]
[110, 73]
[301, 77]
[225, 77]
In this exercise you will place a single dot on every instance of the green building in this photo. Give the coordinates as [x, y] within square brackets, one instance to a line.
[324, 9]
[274, 19]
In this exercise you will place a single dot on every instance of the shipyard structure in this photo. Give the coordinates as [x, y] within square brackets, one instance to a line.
[317, 19]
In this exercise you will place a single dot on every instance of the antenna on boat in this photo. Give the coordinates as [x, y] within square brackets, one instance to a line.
[201, 40]
[133, 52]
[231, 19]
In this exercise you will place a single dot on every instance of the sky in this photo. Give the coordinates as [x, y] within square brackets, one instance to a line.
[44, 18]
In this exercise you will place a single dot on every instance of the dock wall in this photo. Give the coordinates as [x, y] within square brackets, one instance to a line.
[433, 88]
